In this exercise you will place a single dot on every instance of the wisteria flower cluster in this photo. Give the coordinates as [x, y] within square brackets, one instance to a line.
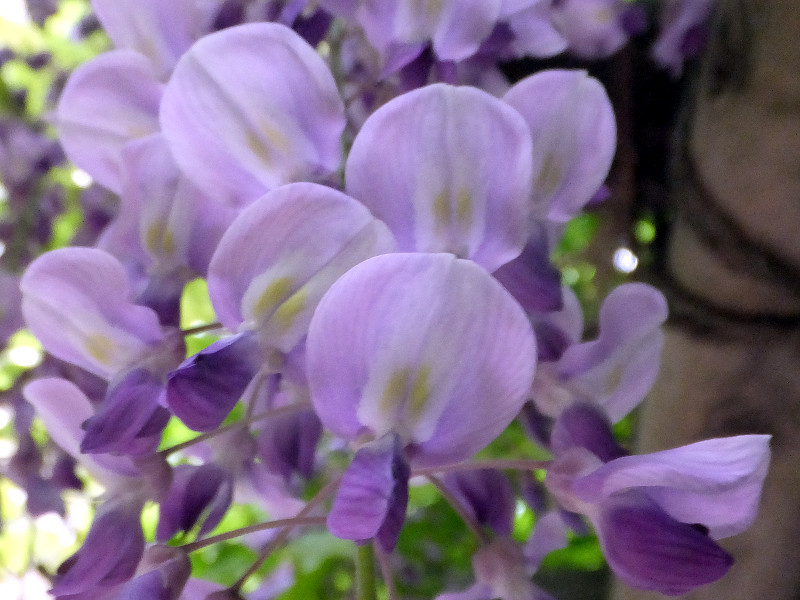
[373, 209]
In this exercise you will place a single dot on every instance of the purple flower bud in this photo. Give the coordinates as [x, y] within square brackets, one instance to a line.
[487, 494]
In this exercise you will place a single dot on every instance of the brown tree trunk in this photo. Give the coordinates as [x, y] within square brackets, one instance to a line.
[731, 362]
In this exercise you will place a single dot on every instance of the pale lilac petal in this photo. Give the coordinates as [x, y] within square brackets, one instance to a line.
[424, 345]
[283, 252]
[448, 170]
[161, 31]
[461, 26]
[75, 300]
[650, 550]
[534, 31]
[574, 138]
[716, 483]
[63, 408]
[107, 102]
[593, 28]
[373, 495]
[250, 108]
[617, 369]
[477, 591]
[549, 534]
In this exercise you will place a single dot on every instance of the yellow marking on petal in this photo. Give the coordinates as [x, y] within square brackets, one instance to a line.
[99, 347]
[275, 293]
[442, 214]
[395, 390]
[287, 312]
[159, 240]
[420, 391]
[267, 141]
[550, 175]
[464, 207]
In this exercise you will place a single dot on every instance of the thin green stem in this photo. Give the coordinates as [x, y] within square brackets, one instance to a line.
[365, 573]
[386, 573]
[503, 464]
[229, 535]
[289, 408]
[281, 538]
[201, 329]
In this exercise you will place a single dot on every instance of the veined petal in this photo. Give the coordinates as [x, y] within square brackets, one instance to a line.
[373, 495]
[107, 102]
[574, 138]
[716, 483]
[250, 108]
[427, 346]
[447, 169]
[161, 31]
[283, 252]
[650, 550]
[617, 369]
[63, 408]
[75, 300]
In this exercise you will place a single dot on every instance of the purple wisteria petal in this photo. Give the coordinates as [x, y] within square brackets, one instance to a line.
[586, 426]
[75, 301]
[63, 408]
[487, 494]
[373, 495]
[205, 387]
[427, 346]
[574, 138]
[107, 102]
[593, 28]
[197, 494]
[161, 31]
[161, 575]
[130, 419]
[650, 550]
[534, 31]
[716, 483]
[109, 554]
[549, 534]
[250, 108]
[448, 169]
[683, 32]
[617, 369]
[283, 252]
[287, 443]
[532, 279]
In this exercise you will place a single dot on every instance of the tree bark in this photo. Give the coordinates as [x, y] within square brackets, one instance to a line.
[731, 361]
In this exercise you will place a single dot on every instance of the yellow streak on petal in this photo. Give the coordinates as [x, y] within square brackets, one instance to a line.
[441, 210]
[287, 312]
[272, 296]
[99, 347]
[267, 141]
[395, 390]
[420, 391]
[464, 207]
[159, 240]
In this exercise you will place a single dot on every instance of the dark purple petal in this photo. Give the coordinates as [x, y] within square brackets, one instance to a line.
[373, 495]
[650, 550]
[109, 554]
[130, 419]
[161, 575]
[586, 426]
[201, 493]
[487, 494]
[287, 443]
[205, 387]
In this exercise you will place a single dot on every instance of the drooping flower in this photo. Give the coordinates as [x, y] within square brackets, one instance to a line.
[427, 356]
[657, 515]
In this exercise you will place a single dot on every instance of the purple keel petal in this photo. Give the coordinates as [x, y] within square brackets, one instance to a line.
[448, 170]
[205, 387]
[650, 550]
[716, 483]
[373, 495]
[250, 108]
